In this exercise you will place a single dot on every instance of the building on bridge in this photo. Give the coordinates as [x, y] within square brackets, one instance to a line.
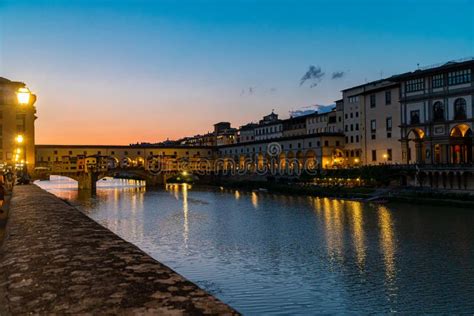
[17, 122]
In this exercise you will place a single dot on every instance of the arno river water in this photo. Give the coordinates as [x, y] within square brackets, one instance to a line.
[276, 254]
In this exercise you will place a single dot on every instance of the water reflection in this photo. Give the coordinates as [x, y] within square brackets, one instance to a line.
[334, 229]
[277, 254]
[255, 199]
[358, 233]
[387, 243]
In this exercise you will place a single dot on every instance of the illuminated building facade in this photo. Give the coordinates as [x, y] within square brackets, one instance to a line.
[17, 121]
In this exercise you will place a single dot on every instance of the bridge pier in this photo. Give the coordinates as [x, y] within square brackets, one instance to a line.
[88, 181]
[155, 180]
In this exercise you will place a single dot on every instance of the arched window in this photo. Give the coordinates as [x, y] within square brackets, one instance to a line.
[438, 112]
[460, 109]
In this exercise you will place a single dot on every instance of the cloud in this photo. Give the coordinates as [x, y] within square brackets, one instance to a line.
[310, 109]
[314, 75]
[337, 74]
[248, 91]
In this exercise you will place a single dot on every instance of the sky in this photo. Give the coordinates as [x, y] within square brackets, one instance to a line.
[127, 71]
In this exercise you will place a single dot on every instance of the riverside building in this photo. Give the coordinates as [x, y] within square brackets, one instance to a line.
[17, 121]
[437, 106]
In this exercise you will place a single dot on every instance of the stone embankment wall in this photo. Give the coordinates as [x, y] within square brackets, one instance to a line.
[55, 259]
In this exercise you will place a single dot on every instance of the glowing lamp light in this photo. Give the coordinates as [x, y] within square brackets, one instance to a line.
[20, 139]
[18, 151]
[185, 173]
[23, 96]
[356, 160]
[385, 156]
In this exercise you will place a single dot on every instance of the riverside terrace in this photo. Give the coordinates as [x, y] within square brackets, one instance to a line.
[56, 260]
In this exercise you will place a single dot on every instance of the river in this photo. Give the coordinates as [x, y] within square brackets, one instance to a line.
[275, 254]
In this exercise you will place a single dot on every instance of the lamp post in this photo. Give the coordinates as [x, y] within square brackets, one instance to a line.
[23, 96]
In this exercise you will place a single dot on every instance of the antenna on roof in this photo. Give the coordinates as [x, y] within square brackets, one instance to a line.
[381, 74]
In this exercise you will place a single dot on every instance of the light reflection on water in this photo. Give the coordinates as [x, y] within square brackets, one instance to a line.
[276, 254]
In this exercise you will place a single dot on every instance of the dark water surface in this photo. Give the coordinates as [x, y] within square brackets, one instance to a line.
[274, 254]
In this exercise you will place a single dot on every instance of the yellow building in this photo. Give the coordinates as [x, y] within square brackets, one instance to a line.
[17, 121]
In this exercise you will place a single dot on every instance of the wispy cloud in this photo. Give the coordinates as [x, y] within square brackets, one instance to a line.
[337, 74]
[305, 110]
[314, 75]
[247, 91]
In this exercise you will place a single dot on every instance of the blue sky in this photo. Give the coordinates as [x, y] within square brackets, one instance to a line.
[148, 70]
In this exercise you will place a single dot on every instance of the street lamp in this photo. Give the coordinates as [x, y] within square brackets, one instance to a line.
[19, 139]
[23, 96]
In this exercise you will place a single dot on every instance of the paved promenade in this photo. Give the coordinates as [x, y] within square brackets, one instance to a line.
[55, 259]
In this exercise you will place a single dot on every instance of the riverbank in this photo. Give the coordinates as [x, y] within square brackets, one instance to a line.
[360, 193]
[55, 259]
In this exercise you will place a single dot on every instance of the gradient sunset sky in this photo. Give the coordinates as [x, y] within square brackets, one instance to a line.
[119, 72]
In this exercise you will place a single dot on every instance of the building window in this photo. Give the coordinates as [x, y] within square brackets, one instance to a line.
[389, 135]
[388, 123]
[415, 117]
[389, 154]
[373, 126]
[357, 126]
[460, 109]
[353, 99]
[373, 136]
[388, 97]
[357, 138]
[357, 114]
[337, 143]
[372, 100]
[326, 143]
[347, 128]
[352, 139]
[415, 85]
[459, 77]
[352, 127]
[438, 81]
[374, 155]
[438, 112]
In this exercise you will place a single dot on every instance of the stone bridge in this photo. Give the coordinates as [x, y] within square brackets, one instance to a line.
[89, 163]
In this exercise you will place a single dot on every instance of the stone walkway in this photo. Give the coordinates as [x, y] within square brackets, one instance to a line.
[55, 259]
